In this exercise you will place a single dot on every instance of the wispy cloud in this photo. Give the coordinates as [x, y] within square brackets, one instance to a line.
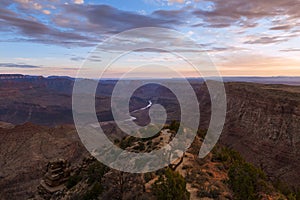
[290, 50]
[283, 27]
[13, 65]
[267, 40]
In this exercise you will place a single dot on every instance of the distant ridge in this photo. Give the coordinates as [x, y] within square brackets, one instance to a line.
[286, 80]
[61, 77]
[18, 76]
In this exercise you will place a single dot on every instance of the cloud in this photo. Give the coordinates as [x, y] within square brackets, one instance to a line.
[92, 58]
[283, 27]
[267, 40]
[175, 15]
[88, 24]
[79, 1]
[290, 50]
[29, 4]
[37, 31]
[245, 12]
[5, 3]
[177, 1]
[169, 2]
[26, 26]
[235, 9]
[95, 58]
[37, 6]
[46, 12]
[77, 58]
[83, 25]
[12, 65]
[112, 20]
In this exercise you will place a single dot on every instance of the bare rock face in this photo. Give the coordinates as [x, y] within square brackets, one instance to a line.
[263, 124]
[6, 125]
[25, 151]
[35, 99]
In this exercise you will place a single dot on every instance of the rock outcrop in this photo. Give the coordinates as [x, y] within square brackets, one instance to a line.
[57, 173]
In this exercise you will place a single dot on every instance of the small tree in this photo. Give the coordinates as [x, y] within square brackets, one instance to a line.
[174, 126]
[245, 180]
[170, 186]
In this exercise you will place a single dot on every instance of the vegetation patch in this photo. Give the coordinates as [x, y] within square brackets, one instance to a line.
[170, 186]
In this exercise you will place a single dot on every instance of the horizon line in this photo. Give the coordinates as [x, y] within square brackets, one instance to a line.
[147, 78]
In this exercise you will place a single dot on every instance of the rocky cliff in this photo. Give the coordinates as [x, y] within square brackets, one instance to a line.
[25, 151]
[263, 124]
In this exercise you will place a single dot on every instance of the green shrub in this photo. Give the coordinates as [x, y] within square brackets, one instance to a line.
[214, 194]
[72, 181]
[127, 142]
[226, 156]
[246, 181]
[149, 143]
[170, 186]
[95, 172]
[290, 192]
[141, 146]
[148, 177]
[201, 133]
[93, 194]
[116, 141]
[174, 126]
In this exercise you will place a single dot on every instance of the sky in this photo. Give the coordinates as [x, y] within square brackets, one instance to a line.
[240, 37]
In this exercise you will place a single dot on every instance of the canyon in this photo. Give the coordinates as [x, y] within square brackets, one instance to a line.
[262, 124]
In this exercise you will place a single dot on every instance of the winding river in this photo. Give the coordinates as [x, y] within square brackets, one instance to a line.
[144, 108]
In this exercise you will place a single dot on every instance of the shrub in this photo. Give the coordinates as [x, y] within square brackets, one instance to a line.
[226, 156]
[170, 186]
[288, 191]
[214, 194]
[201, 133]
[149, 143]
[147, 177]
[245, 180]
[127, 142]
[72, 181]
[93, 194]
[174, 126]
[95, 172]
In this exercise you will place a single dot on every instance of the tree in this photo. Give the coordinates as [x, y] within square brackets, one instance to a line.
[245, 180]
[123, 185]
[174, 126]
[170, 186]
